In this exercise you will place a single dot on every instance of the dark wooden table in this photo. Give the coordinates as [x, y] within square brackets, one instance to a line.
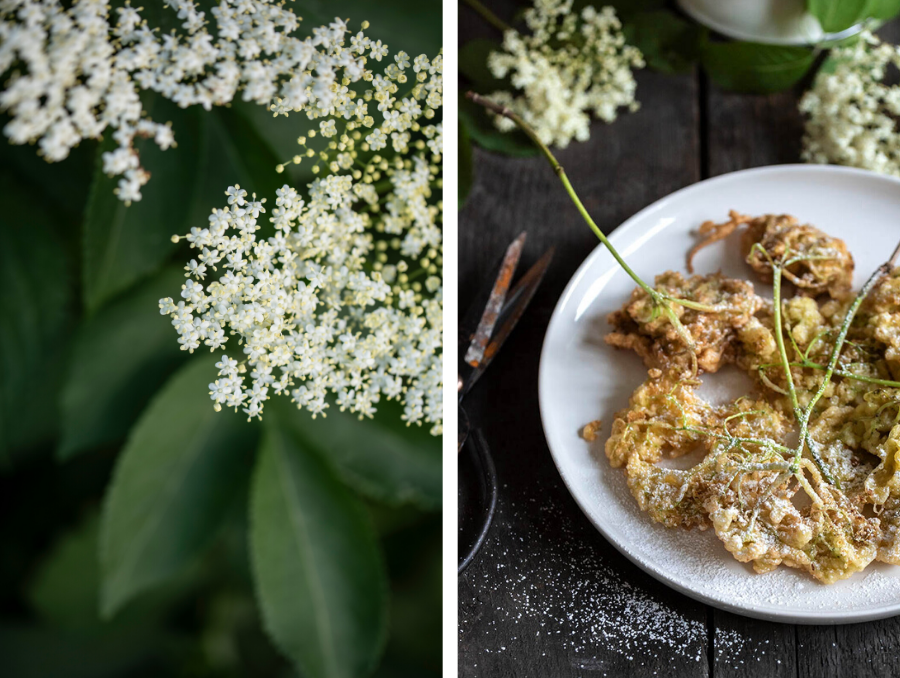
[548, 595]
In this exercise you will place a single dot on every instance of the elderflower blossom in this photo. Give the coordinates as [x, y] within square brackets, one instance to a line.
[78, 70]
[341, 297]
[566, 69]
[852, 113]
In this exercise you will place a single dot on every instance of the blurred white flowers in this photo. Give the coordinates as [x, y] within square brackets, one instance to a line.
[78, 71]
[345, 295]
[851, 112]
[569, 67]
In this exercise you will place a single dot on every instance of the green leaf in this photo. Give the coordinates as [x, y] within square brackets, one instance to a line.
[64, 590]
[121, 356]
[36, 299]
[181, 466]
[124, 244]
[481, 131]
[39, 652]
[232, 153]
[829, 65]
[669, 44]
[754, 67]
[64, 184]
[465, 164]
[280, 135]
[319, 577]
[838, 15]
[415, 562]
[415, 27]
[473, 65]
[381, 458]
[884, 10]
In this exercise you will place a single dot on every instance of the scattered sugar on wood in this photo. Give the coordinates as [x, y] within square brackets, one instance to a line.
[551, 577]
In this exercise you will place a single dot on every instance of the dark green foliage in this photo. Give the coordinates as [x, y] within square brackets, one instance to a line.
[669, 43]
[319, 577]
[124, 497]
[756, 68]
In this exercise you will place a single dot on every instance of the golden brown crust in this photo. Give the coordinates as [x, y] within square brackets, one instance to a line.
[715, 336]
[823, 264]
[767, 512]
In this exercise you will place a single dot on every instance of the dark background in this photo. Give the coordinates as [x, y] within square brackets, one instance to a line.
[548, 595]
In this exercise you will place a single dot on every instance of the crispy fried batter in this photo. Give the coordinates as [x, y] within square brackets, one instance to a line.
[766, 510]
[751, 509]
[881, 319]
[823, 264]
[652, 336]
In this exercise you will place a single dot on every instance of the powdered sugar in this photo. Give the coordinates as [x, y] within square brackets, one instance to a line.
[582, 606]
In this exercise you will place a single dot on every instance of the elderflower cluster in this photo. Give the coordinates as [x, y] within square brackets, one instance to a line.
[569, 67]
[851, 113]
[78, 69]
[341, 297]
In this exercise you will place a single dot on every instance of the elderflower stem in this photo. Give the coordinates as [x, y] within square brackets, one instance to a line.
[655, 295]
[779, 338]
[840, 373]
[489, 16]
[882, 270]
[805, 437]
[561, 173]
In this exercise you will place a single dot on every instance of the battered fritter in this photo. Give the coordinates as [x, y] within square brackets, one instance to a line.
[768, 505]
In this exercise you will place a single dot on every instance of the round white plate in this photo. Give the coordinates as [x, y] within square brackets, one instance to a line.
[776, 22]
[583, 379]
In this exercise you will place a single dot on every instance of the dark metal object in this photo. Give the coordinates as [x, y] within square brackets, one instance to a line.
[487, 324]
[478, 324]
[477, 500]
[495, 303]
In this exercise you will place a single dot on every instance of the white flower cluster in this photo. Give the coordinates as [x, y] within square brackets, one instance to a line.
[851, 112]
[345, 295]
[568, 67]
[78, 71]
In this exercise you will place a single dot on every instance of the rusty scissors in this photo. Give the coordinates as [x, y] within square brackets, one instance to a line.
[491, 317]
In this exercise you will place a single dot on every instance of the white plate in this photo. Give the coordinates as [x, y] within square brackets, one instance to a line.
[583, 379]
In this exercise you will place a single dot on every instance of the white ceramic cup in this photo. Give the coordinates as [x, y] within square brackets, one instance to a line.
[779, 22]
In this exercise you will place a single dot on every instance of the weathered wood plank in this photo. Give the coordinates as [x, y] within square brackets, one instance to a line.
[869, 650]
[548, 596]
[746, 647]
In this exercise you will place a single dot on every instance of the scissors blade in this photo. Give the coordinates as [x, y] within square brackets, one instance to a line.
[478, 325]
[517, 301]
[462, 427]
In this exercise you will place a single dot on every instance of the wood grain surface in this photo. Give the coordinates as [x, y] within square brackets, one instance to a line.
[548, 595]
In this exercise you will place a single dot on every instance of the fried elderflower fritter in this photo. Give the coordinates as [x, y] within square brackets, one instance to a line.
[740, 488]
[881, 312]
[805, 470]
[816, 263]
[653, 337]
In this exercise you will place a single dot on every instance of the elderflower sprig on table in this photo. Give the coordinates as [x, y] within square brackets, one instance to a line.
[570, 66]
[346, 296]
[851, 112]
[78, 71]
